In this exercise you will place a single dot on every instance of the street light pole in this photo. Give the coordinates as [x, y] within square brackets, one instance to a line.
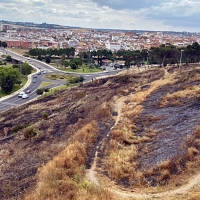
[20, 70]
[148, 58]
[181, 58]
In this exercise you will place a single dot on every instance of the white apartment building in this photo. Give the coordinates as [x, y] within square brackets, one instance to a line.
[113, 46]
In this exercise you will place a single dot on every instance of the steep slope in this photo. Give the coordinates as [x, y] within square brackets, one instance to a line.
[146, 133]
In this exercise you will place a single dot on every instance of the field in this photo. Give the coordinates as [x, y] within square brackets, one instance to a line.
[133, 136]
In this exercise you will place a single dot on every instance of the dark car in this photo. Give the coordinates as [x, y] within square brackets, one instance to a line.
[28, 91]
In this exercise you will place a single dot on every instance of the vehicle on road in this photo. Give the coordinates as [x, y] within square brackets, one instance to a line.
[44, 72]
[34, 80]
[28, 91]
[38, 73]
[24, 96]
[35, 76]
[21, 94]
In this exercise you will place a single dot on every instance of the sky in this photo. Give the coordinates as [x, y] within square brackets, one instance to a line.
[154, 15]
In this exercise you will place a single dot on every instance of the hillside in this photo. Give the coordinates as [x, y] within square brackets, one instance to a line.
[130, 136]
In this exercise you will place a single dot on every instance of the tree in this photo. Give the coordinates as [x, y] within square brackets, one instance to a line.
[73, 65]
[7, 84]
[48, 60]
[26, 69]
[9, 71]
[77, 61]
[8, 58]
[81, 78]
[66, 63]
[39, 57]
[39, 91]
[4, 44]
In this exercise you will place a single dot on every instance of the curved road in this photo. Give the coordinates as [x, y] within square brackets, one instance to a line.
[13, 100]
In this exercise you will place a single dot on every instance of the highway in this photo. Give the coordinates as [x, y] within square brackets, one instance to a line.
[14, 100]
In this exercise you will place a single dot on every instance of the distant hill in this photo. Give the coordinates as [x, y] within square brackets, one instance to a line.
[56, 26]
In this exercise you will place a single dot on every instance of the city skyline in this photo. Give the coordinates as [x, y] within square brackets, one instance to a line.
[172, 15]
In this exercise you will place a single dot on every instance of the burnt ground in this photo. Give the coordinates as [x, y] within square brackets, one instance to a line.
[67, 111]
[173, 125]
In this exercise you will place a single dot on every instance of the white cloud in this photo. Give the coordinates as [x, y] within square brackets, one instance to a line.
[119, 14]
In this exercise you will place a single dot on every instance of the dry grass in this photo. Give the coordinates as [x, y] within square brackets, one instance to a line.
[122, 151]
[63, 177]
[174, 98]
[120, 163]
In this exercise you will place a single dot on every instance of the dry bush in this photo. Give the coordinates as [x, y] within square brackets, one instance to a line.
[94, 192]
[113, 146]
[104, 111]
[117, 135]
[164, 175]
[123, 92]
[150, 172]
[141, 96]
[176, 96]
[120, 163]
[79, 95]
[132, 113]
[87, 134]
[197, 131]
[54, 179]
[191, 153]
[167, 164]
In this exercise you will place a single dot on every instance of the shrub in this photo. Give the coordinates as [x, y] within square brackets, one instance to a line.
[29, 133]
[39, 91]
[46, 89]
[17, 128]
[76, 79]
[44, 115]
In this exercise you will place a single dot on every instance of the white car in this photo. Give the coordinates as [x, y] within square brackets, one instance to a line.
[24, 96]
[21, 94]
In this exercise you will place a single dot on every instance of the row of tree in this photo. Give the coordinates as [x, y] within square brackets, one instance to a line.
[162, 55]
[69, 52]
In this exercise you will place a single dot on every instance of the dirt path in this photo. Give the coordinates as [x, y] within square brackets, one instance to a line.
[91, 173]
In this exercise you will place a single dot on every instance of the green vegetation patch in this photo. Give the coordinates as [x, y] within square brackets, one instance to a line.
[83, 69]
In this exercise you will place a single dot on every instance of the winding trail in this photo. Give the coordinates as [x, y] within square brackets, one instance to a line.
[91, 173]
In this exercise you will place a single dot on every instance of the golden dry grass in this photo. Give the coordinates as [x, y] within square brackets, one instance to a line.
[63, 177]
[175, 97]
[120, 163]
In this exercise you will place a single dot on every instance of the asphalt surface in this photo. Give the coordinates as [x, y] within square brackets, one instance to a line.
[13, 100]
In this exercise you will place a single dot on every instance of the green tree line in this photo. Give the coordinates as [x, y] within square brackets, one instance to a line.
[162, 55]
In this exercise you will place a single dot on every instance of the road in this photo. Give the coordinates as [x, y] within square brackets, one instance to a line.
[14, 100]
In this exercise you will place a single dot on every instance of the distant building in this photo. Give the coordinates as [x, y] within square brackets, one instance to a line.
[113, 46]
